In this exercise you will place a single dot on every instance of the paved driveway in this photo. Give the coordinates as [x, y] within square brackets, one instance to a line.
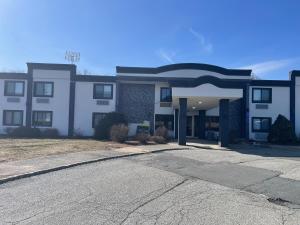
[193, 186]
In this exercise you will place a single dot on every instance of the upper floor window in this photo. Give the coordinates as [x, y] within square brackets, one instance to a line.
[261, 124]
[262, 95]
[12, 117]
[103, 91]
[43, 89]
[13, 88]
[42, 118]
[165, 94]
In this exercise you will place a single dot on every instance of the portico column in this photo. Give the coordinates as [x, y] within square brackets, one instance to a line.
[201, 124]
[176, 123]
[224, 122]
[182, 121]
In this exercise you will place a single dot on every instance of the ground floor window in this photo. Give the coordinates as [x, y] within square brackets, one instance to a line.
[42, 118]
[212, 123]
[164, 120]
[12, 117]
[261, 124]
[97, 117]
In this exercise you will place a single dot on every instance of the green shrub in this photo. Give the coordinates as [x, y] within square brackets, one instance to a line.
[143, 138]
[119, 133]
[162, 131]
[25, 132]
[282, 131]
[50, 133]
[159, 139]
[102, 129]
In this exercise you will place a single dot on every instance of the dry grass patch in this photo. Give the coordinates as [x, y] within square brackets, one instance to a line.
[18, 149]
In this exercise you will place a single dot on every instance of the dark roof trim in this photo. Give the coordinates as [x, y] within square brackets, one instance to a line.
[51, 66]
[23, 76]
[181, 66]
[138, 78]
[221, 83]
[295, 72]
[273, 83]
[94, 78]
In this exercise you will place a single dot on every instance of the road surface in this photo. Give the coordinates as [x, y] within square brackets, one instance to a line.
[177, 187]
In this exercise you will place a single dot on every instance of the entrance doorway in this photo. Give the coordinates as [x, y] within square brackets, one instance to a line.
[189, 126]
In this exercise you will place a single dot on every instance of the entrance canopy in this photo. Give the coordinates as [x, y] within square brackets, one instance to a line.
[205, 96]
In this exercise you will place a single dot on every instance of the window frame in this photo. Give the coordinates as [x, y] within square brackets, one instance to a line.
[14, 81]
[261, 130]
[161, 91]
[103, 84]
[261, 101]
[170, 119]
[94, 116]
[12, 125]
[43, 82]
[42, 125]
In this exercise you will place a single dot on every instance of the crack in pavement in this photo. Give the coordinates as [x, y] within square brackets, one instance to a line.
[152, 199]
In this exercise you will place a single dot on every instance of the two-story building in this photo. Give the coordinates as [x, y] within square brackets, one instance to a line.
[191, 100]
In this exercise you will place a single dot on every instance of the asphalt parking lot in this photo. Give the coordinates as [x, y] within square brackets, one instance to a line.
[194, 186]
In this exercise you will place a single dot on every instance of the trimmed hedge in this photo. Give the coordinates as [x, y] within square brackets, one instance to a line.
[102, 129]
[282, 131]
[25, 132]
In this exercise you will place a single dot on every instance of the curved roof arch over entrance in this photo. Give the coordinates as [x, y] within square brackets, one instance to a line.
[184, 70]
[205, 96]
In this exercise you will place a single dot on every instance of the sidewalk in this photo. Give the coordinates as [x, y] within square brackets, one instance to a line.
[30, 167]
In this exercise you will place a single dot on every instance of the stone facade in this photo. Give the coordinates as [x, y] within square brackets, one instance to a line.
[136, 101]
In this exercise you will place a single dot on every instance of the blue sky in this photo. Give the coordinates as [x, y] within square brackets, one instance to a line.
[257, 34]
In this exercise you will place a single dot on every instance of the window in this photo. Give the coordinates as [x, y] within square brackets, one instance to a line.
[261, 124]
[165, 94]
[12, 117]
[103, 91]
[14, 88]
[97, 117]
[164, 120]
[262, 95]
[43, 89]
[42, 118]
[212, 123]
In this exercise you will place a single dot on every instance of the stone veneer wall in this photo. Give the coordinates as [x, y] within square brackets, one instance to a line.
[136, 101]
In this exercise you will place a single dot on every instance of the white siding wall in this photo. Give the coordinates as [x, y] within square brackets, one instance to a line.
[162, 110]
[297, 106]
[280, 105]
[157, 108]
[59, 103]
[4, 105]
[85, 105]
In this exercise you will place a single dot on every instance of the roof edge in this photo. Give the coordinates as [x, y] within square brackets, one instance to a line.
[180, 66]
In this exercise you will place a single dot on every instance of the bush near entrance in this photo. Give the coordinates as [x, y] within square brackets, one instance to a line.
[119, 133]
[282, 131]
[102, 129]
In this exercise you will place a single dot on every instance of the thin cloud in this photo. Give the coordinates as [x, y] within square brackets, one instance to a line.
[206, 45]
[167, 56]
[266, 67]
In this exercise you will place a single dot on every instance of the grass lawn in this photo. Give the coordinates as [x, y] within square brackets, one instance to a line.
[17, 149]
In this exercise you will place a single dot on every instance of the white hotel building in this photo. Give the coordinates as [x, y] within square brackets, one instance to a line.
[191, 100]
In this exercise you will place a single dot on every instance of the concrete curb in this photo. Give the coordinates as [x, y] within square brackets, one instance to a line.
[40, 172]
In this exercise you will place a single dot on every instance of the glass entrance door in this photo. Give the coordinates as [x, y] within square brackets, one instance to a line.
[196, 126]
[189, 126]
